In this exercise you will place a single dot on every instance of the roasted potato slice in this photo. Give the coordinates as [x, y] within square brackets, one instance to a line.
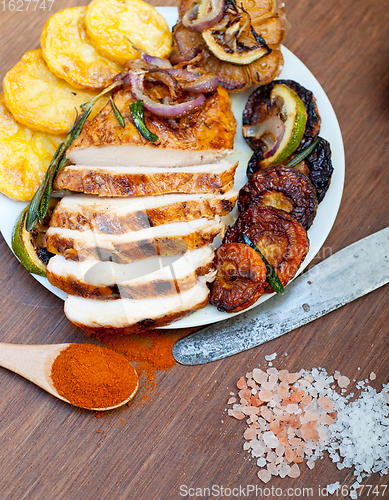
[280, 238]
[40, 100]
[240, 277]
[24, 156]
[118, 28]
[283, 188]
[69, 54]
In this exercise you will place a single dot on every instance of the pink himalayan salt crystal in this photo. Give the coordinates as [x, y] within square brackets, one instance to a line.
[325, 403]
[231, 401]
[272, 468]
[249, 410]
[265, 395]
[251, 383]
[241, 384]
[343, 381]
[372, 376]
[306, 400]
[268, 386]
[309, 377]
[264, 475]
[267, 414]
[294, 471]
[292, 408]
[259, 376]
[250, 433]
[245, 394]
[310, 416]
[284, 470]
[310, 463]
[283, 375]
[325, 420]
[236, 414]
[293, 377]
[283, 390]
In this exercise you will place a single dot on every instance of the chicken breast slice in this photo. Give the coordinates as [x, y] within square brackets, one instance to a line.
[151, 277]
[166, 239]
[119, 215]
[197, 138]
[215, 178]
[128, 315]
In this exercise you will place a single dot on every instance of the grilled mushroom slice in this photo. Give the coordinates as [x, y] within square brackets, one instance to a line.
[280, 238]
[240, 277]
[283, 188]
[319, 167]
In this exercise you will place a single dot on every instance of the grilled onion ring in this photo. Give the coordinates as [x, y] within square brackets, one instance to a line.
[283, 188]
[281, 239]
[165, 110]
[240, 277]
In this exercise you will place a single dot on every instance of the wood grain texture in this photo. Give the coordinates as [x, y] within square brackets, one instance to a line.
[50, 450]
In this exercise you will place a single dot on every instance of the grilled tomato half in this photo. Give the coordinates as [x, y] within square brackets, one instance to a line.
[240, 277]
[281, 239]
[283, 188]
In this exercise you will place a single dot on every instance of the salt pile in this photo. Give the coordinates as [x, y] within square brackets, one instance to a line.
[294, 417]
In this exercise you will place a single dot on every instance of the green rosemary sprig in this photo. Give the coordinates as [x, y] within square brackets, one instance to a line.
[38, 206]
[271, 274]
[138, 118]
[304, 153]
[117, 113]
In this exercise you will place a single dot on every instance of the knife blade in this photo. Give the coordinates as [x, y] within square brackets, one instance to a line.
[345, 276]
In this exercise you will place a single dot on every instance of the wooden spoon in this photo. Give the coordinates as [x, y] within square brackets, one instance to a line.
[34, 362]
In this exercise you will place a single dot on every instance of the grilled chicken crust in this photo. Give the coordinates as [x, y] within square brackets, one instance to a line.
[90, 280]
[126, 316]
[129, 181]
[172, 239]
[111, 216]
[210, 128]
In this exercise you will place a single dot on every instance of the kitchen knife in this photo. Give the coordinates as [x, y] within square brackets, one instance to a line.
[350, 273]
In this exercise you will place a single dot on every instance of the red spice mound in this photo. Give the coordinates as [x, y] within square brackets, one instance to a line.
[93, 377]
[151, 351]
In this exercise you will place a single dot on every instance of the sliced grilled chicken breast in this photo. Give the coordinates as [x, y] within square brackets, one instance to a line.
[152, 277]
[215, 178]
[166, 239]
[129, 315]
[197, 138]
[119, 215]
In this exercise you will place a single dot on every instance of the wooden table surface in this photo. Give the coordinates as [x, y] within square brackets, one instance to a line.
[50, 450]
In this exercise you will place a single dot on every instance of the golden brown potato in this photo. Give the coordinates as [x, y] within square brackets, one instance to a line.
[70, 55]
[118, 27]
[40, 100]
[24, 156]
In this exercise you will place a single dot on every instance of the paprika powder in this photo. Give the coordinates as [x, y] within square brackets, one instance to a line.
[93, 377]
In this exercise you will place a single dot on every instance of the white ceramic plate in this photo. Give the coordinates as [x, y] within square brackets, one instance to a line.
[293, 69]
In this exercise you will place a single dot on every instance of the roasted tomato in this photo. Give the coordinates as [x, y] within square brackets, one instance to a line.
[283, 188]
[281, 239]
[257, 110]
[240, 277]
[317, 166]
